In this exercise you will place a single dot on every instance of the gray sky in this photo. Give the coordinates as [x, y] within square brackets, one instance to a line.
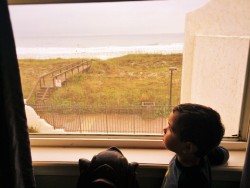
[147, 17]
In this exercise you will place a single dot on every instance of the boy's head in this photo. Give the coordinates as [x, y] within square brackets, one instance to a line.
[193, 125]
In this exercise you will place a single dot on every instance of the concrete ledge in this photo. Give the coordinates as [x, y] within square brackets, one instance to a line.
[152, 162]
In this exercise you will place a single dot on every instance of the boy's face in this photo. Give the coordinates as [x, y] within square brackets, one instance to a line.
[171, 137]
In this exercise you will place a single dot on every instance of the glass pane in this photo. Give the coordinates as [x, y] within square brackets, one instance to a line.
[100, 68]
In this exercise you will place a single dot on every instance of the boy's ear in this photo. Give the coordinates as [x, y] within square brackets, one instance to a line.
[189, 148]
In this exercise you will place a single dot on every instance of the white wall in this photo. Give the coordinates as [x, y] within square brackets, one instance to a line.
[215, 58]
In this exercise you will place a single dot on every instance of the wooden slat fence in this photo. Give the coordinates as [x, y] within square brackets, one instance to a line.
[89, 120]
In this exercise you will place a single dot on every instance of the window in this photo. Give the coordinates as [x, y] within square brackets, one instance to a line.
[98, 69]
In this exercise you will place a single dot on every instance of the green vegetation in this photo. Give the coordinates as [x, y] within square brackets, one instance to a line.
[33, 130]
[123, 81]
[31, 69]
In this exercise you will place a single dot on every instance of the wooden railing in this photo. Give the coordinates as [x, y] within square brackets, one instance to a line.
[48, 81]
[63, 76]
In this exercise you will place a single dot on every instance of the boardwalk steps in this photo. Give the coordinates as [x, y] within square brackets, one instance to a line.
[49, 82]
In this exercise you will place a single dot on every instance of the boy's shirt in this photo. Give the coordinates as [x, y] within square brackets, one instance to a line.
[179, 176]
[199, 176]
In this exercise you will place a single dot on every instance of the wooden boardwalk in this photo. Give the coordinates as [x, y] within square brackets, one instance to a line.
[47, 83]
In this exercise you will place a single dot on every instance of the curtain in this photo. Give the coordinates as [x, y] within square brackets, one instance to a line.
[245, 178]
[15, 159]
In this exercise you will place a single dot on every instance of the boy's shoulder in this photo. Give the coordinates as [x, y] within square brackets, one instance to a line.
[218, 156]
[196, 176]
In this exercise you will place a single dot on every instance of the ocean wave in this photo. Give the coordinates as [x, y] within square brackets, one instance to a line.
[95, 52]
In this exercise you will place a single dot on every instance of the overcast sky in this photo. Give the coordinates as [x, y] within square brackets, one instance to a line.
[146, 17]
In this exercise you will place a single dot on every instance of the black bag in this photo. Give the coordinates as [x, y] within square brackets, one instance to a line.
[108, 169]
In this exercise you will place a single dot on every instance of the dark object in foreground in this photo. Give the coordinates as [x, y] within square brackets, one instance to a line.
[108, 169]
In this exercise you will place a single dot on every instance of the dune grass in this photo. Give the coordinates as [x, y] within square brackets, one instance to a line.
[123, 81]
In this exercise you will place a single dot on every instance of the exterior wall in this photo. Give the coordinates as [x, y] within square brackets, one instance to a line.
[215, 58]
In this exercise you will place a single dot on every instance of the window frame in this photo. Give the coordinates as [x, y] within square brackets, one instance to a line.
[146, 142]
[239, 142]
[245, 109]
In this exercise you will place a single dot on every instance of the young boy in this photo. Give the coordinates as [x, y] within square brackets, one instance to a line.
[194, 132]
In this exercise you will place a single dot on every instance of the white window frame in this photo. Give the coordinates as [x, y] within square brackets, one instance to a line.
[131, 142]
[245, 110]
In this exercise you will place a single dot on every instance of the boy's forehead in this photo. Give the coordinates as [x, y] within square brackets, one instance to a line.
[172, 119]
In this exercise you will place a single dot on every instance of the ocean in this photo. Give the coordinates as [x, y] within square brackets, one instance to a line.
[97, 46]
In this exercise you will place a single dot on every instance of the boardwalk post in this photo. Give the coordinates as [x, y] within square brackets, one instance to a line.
[172, 69]
[163, 113]
[107, 120]
[133, 115]
[54, 80]
[53, 118]
[79, 115]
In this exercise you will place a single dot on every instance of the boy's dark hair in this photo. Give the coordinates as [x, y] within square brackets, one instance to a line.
[108, 169]
[200, 125]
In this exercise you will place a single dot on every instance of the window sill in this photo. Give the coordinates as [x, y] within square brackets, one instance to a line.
[152, 162]
[59, 155]
[127, 141]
